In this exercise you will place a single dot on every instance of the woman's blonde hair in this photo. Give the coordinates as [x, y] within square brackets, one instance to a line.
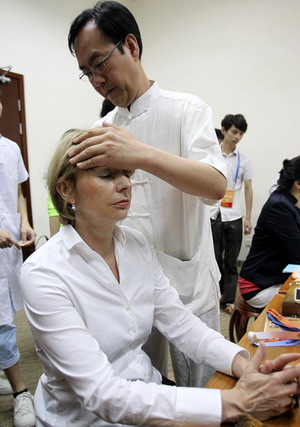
[61, 169]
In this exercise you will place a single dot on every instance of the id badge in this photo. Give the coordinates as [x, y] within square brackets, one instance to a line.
[227, 200]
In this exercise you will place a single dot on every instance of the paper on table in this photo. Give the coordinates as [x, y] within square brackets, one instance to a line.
[290, 268]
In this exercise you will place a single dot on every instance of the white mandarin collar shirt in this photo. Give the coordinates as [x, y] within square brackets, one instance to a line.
[176, 224]
[89, 330]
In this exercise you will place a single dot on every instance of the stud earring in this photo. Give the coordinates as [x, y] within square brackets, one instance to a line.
[73, 207]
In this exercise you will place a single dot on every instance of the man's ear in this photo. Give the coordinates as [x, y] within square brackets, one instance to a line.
[132, 45]
[223, 130]
[66, 190]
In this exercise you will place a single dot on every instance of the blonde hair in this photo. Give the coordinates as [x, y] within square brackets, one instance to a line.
[61, 169]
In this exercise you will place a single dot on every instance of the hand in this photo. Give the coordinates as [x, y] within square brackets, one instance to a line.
[262, 395]
[278, 364]
[247, 226]
[6, 240]
[108, 146]
[27, 235]
[296, 275]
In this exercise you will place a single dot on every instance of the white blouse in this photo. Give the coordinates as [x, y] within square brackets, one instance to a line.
[89, 330]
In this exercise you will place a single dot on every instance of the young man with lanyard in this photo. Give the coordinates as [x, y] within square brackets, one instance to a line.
[226, 216]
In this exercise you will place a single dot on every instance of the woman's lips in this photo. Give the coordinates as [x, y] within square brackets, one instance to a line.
[123, 203]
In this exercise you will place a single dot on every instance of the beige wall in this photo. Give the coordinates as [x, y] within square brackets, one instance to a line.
[240, 56]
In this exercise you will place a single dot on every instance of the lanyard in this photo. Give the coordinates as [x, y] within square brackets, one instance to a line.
[288, 335]
[237, 167]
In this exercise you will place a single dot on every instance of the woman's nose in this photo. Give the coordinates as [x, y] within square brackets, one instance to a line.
[124, 182]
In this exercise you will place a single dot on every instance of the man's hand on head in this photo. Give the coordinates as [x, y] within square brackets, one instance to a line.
[108, 146]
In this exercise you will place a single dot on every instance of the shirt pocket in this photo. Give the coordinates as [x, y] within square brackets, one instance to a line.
[182, 274]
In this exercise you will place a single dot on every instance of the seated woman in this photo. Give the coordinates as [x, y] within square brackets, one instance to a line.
[92, 294]
[276, 241]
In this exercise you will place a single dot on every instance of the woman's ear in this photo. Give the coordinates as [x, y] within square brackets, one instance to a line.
[66, 190]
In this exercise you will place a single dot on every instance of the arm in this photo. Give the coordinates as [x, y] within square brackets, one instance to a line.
[199, 339]
[248, 203]
[262, 395]
[27, 233]
[113, 146]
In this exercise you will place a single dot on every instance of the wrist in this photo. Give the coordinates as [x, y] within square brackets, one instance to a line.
[238, 366]
[230, 410]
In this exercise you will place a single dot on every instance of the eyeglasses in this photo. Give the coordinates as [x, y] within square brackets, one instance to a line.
[99, 67]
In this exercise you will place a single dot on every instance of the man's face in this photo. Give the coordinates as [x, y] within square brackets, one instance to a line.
[118, 82]
[233, 135]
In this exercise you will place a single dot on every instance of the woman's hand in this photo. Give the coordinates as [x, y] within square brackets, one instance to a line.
[264, 389]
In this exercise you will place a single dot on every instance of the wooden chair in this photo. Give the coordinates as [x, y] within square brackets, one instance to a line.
[240, 317]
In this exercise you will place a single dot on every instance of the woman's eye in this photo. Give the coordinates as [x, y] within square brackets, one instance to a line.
[128, 174]
[106, 176]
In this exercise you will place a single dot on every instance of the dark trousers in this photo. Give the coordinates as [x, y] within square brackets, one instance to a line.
[227, 238]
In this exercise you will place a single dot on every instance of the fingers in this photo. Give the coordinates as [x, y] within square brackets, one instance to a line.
[89, 133]
[86, 155]
[287, 376]
[8, 242]
[256, 361]
[279, 363]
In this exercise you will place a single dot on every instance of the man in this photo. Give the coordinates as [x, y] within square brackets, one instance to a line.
[15, 233]
[169, 139]
[226, 217]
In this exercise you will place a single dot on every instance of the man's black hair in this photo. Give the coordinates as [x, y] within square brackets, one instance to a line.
[112, 18]
[289, 173]
[237, 120]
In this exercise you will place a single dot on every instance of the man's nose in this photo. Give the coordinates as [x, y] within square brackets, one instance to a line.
[98, 79]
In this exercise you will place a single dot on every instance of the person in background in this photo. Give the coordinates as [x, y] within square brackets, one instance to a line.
[54, 223]
[15, 233]
[276, 240]
[92, 294]
[227, 215]
[169, 140]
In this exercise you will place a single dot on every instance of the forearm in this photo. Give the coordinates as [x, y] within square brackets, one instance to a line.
[248, 202]
[189, 176]
[22, 208]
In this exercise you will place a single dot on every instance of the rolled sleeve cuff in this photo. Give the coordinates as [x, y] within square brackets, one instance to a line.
[224, 364]
[197, 406]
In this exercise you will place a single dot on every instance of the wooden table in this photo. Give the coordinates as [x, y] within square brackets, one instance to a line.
[222, 381]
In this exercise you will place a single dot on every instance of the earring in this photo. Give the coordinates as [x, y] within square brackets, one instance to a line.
[73, 207]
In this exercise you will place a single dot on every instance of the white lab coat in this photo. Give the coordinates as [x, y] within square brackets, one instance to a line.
[12, 173]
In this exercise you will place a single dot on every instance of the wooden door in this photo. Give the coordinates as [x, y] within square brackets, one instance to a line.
[13, 123]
